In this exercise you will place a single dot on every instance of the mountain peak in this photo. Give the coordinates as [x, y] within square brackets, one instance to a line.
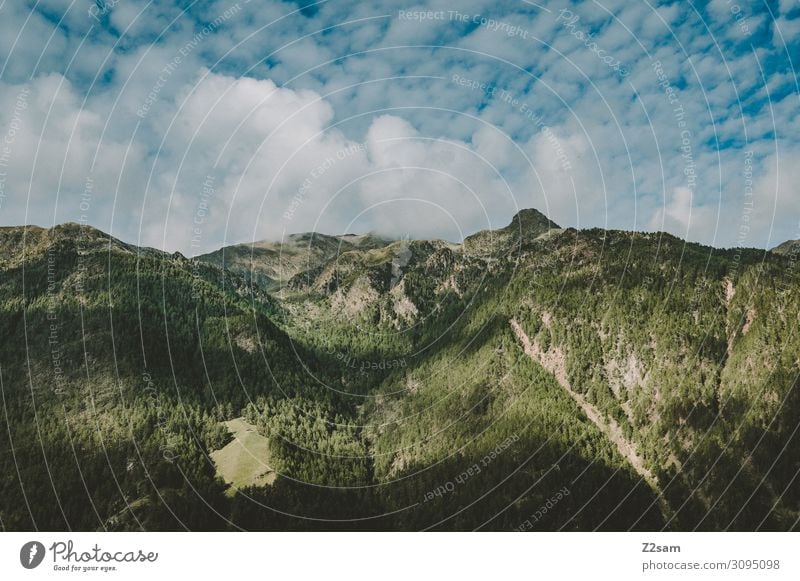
[526, 225]
[530, 219]
[790, 247]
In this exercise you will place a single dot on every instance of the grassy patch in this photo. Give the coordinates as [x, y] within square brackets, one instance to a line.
[245, 460]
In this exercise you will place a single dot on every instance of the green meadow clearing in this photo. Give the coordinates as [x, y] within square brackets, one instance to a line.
[244, 461]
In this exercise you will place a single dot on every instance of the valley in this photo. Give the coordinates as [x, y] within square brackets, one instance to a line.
[337, 382]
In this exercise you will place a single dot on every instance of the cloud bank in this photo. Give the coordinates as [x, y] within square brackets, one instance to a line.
[186, 126]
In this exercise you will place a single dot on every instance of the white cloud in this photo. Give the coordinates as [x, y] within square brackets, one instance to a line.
[426, 138]
[786, 6]
[785, 30]
[683, 217]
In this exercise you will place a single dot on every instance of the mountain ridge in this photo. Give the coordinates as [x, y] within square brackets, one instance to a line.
[524, 219]
[387, 370]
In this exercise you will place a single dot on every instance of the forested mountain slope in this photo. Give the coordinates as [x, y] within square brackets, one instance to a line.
[117, 366]
[532, 377]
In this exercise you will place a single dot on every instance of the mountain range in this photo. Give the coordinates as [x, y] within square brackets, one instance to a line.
[531, 378]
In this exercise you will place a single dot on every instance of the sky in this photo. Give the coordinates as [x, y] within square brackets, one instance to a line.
[189, 125]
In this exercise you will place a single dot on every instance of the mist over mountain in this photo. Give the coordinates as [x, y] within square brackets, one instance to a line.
[532, 378]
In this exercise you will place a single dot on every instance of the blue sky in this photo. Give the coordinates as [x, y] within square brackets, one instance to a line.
[189, 125]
